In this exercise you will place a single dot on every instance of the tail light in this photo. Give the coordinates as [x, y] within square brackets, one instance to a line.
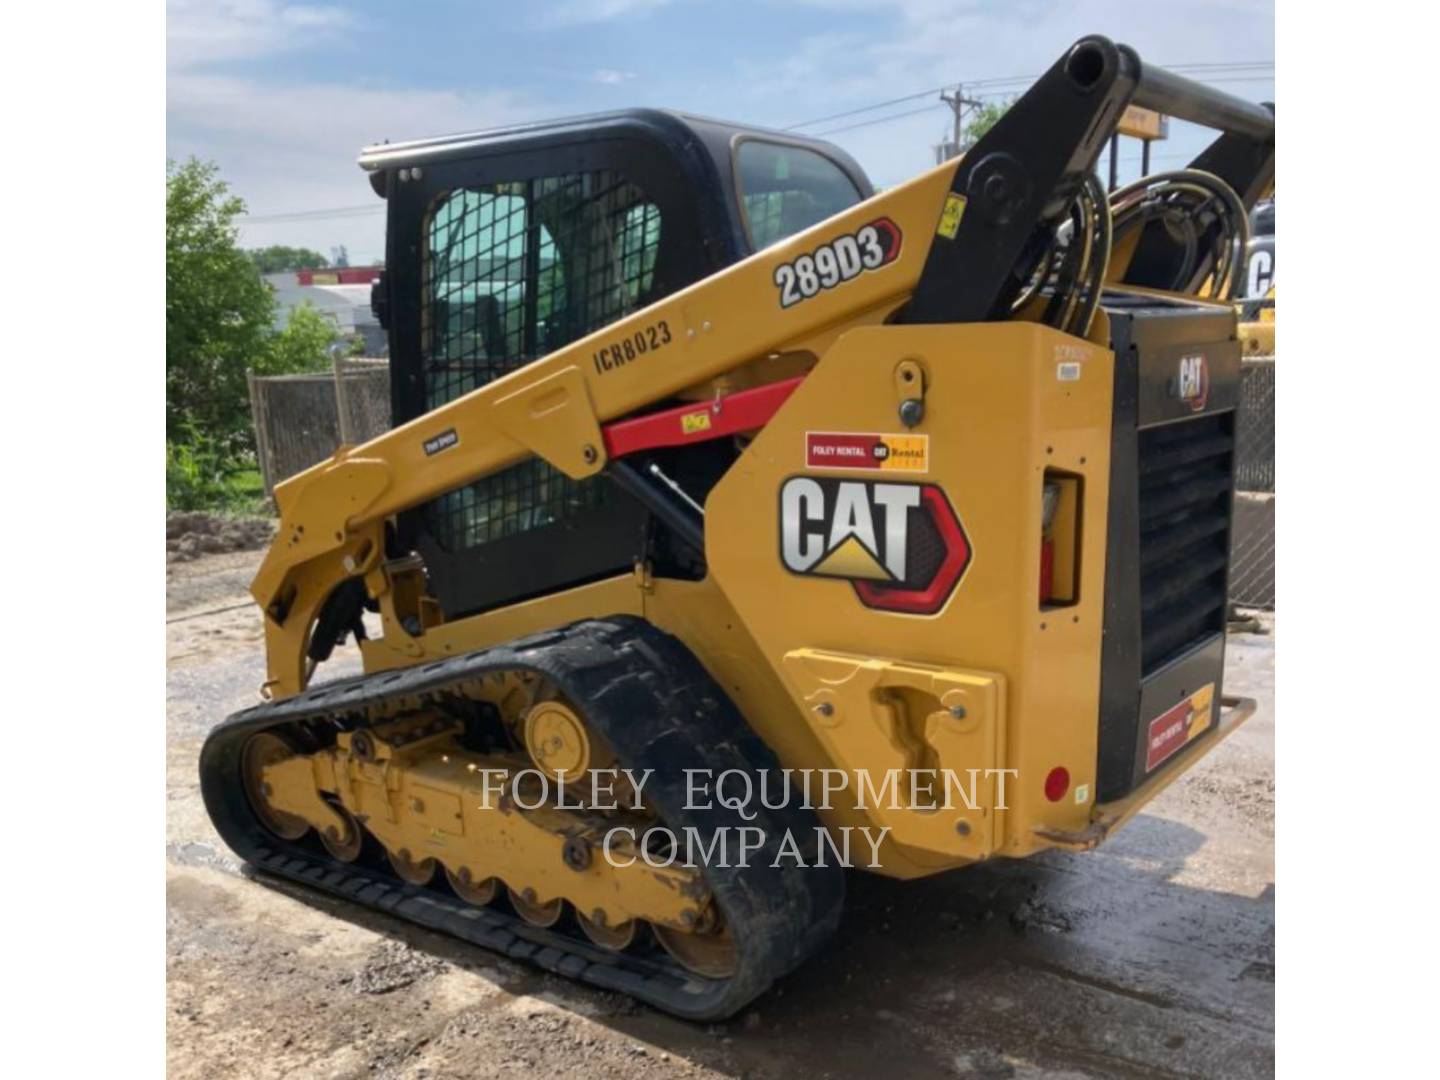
[1049, 502]
[1059, 539]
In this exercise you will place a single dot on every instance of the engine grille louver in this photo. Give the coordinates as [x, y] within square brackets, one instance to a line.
[1185, 493]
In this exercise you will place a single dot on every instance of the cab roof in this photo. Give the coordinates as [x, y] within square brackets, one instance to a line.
[701, 145]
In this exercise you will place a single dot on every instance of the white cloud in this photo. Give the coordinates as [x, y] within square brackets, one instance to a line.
[290, 145]
[582, 12]
[293, 147]
[945, 41]
[277, 116]
[199, 32]
[969, 39]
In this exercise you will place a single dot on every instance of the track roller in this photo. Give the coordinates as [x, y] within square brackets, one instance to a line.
[536, 914]
[347, 846]
[710, 953]
[416, 873]
[616, 938]
[473, 890]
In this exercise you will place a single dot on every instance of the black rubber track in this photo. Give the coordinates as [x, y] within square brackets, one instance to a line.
[660, 710]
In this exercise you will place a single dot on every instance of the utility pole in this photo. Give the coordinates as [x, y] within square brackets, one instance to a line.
[958, 103]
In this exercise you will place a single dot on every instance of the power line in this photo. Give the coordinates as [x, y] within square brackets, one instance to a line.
[877, 120]
[868, 108]
[1240, 78]
[1228, 65]
[1190, 68]
[990, 95]
[315, 215]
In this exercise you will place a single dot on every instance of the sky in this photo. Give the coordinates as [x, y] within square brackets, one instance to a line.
[282, 96]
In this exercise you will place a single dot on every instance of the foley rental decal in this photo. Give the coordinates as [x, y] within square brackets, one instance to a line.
[863, 450]
[1178, 726]
[901, 546]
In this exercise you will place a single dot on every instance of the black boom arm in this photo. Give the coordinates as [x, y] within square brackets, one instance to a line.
[1021, 180]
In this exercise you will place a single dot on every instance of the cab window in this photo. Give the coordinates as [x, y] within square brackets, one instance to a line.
[786, 189]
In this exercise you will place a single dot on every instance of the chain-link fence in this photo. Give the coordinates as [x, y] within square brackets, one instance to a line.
[1255, 427]
[1252, 549]
[362, 399]
[301, 420]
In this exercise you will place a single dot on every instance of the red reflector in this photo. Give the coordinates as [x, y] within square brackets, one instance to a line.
[1057, 783]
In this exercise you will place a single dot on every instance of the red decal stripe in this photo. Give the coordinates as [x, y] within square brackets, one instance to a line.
[743, 410]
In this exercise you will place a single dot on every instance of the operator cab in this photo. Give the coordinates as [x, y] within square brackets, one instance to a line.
[503, 246]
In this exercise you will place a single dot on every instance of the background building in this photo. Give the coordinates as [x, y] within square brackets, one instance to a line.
[341, 294]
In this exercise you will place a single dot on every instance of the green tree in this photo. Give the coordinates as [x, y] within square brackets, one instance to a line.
[983, 119]
[304, 344]
[278, 258]
[218, 311]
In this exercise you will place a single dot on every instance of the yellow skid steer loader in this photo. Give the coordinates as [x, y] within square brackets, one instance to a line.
[738, 523]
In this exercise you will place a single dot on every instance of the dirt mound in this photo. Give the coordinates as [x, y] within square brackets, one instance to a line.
[191, 535]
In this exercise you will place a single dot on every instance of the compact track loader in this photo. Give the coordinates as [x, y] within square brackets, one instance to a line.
[713, 473]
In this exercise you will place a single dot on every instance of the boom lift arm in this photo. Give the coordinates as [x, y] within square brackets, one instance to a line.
[959, 243]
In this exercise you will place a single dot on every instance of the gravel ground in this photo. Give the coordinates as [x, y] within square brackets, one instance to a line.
[1151, 957]
[191, 535]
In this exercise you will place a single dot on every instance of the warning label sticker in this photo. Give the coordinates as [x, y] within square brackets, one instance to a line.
[693, 422]
[950, 216]
[863, 450]
[1179, 725]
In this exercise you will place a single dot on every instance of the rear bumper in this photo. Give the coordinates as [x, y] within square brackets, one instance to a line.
[1107, 817]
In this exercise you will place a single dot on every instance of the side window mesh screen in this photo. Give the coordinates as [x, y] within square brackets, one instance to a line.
[512, 272]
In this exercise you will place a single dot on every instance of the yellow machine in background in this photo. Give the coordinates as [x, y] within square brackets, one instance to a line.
[1257, 332]
[713, 468]
[1257, 309]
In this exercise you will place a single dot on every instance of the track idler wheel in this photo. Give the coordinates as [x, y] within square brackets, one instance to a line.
[345, 847]
[266, 748]
[536, 914]
[473, 890]
[407, 869]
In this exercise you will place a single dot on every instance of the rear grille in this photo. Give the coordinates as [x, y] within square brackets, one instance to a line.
[1186, 476]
